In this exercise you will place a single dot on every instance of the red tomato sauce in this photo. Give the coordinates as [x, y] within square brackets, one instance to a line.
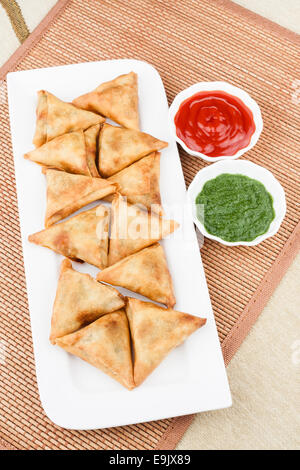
[214, 123]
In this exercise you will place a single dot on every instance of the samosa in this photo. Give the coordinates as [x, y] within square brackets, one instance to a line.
[155, 331]
[55, 117]
[66, 193]
[116, 99]
[83, 237]
[74, 152]
[91, 142]
[79, 301]
[133, 229]
[145, 272]
[120, 147]
[104, 344]
[139, 182]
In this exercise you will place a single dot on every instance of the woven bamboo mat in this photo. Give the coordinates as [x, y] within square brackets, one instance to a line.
[187, 41]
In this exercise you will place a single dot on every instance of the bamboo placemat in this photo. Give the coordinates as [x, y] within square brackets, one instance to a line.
[187, 41]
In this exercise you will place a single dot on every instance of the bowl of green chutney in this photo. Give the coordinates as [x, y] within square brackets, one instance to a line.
[236, 202]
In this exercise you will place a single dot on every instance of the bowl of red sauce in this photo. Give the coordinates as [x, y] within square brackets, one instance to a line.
[215, 121]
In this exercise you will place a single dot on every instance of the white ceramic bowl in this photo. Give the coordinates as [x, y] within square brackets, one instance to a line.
[217, 86]
[242, 167]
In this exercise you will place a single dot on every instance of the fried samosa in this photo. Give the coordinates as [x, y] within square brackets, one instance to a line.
[66, 193]
[91, 144]
[74, 152]
[133, 229]
[155, 331]
[82, 237]
[116, 99]
[139, 182]
[145, 272]
[120, 147]
[79, 301]
[55, 117]
[104, 344]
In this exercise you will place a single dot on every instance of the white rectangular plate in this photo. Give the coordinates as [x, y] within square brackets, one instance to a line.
[74, 394]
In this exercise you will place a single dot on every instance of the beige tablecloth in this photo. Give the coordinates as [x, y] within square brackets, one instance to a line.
[263, 374]
[264, 381]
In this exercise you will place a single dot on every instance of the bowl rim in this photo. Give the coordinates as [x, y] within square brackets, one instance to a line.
[239, 167]
[217, 86]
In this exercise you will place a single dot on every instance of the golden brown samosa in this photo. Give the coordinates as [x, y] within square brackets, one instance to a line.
[120, 147]
[82, 237]
[155, 331]
[133, 229]
[104, 344]
[66, 193]
[55, 117]
[116, 99]
[79, 301]
[145, 272]
[40, 136]
[91, 143]
[74, 152]
[139, 182]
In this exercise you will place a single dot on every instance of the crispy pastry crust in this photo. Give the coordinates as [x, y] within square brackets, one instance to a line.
[155, 331]
[140, 183]
[116, 99]
[82, 237]
[56, 117]
[66, 193]
[145, 272]
[119, 148]
[105, 344]
[80, 300]
[74, 152]
[91, 144]
[133, 229]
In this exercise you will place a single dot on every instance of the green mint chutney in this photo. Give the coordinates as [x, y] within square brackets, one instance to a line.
[236, 208]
